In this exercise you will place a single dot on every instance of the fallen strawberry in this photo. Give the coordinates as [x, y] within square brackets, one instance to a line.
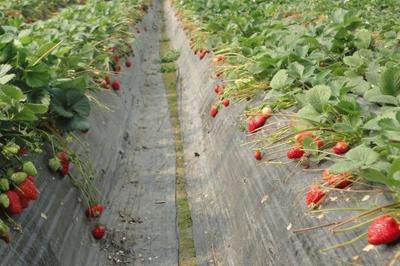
[314, 196]
[94, 210]
[340, 147]
[117, 68]
[116, 85]
[255, 123]
[218, 89]
[99, 231]
[218, 58]
[295, 153]
[213, 111]
[15, 203]
[257, 155]
[28, 189]
[128, 63]
[338, 181]
[115, 58]
[225, 102]
[383, 230]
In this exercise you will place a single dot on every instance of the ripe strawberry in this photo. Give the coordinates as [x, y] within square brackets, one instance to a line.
[28, 190]
[116, 85]
[299, 138]
[202, 53]
[338, 181]
[15, 203]
[24, 201]
[266, 112]
[225, 102]
[341, 147]
[218, 89]
[99, 231]
[383, 230]
[22, 151]
[128, 63]
[115, 58]
[295, 153]
[94, 210]
[64, 163]
[255, 123]
[218, 58]
[314, 196]
[213, 111]
[319, 142]
[257, 155]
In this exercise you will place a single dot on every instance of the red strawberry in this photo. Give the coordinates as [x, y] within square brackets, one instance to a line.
[299, 138]
[295, 153]
[24, 201]
[225, 102]
[31, 178]
[319, 142]
[128, 63]
[383, 230]
[94, 210]
[15, 203]
[63, 157]
[116, 85]
[22, 151]
[255, 123]
[218, 89]
[340, 148]
[28, 190]
[314, 195]
[213, 111]
[202, 53]
[99, 231]
[251, 126]
[257, 155]
[338, 181]
[115, 58]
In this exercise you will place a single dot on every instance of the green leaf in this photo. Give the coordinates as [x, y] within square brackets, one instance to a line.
[343, 166]
[362, 39]
[280, 80]
[354, 61]
[318, 96]
[390, 82]
[4, 78]
[362, 154]
[309, 113]
[374, 175]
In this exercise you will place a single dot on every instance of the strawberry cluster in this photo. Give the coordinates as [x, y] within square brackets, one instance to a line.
[18, 189]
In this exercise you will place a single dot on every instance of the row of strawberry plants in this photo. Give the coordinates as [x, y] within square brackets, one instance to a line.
[17, 12]
[328, 72]
[49, 73]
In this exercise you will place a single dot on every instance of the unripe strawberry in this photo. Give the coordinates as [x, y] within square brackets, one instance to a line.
[340, 147]
[4, 184]
[267, 112]
[29, 168]
[54, 164]
[18, 177]
[4, 232]
[4, 200]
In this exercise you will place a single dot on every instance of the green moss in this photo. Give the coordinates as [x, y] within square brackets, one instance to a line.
[187, 254]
